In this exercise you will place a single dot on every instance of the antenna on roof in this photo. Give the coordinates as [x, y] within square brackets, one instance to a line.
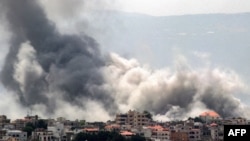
[27, 112]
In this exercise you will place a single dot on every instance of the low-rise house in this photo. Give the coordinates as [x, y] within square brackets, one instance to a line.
[42, 135]
[8, 139]
[209, 116]
[112, 127]
[127, 134]
[235, 121]
[18, 134]
[91, 130]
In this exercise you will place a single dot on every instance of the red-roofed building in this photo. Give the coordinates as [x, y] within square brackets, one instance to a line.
[209, 115]
[91, 130]
[155, 128]
[112, 127]
[213, 124]
[159, 133]
[127, 134]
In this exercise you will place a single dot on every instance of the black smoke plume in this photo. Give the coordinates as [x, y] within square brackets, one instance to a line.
[69, 64]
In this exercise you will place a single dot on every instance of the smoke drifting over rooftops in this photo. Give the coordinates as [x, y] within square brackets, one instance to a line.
[68, 75]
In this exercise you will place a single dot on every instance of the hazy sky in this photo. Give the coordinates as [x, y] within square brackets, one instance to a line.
[180, 7]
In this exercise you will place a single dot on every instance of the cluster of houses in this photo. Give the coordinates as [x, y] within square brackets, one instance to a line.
[209, 127]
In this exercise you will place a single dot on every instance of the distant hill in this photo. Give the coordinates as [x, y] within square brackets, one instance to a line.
[154, 40]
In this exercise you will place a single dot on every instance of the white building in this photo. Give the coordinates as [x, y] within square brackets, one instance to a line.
[146, 132]
[9, 127]
[58, 131]
[19, 135]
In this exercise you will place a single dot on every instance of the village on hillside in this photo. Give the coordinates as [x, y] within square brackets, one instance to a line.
[133, 125]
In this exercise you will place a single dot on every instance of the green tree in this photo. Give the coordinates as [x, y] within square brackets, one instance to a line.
[148, 114]
[41, 124]
[137, 138]
[106, 136]
[29, 128]
[100, 136]
[198, 119]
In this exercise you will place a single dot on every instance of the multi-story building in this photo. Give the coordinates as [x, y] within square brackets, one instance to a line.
[194, 135]
[19, 124]
[158, 133]
[57, 130]
[217, 132]
[121, 119]
[3, 121]
[2, 133]
[132, 118]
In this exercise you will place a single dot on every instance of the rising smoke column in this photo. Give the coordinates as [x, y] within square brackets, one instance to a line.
[41, 61]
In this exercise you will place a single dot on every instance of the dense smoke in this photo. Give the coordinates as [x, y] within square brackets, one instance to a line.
[68, 75]
[41, 61]
[177, 92]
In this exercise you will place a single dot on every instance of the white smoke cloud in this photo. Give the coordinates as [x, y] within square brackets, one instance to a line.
[90, 112]
[10, 105]
[167, 92]
[26, 63]
[93, 111]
